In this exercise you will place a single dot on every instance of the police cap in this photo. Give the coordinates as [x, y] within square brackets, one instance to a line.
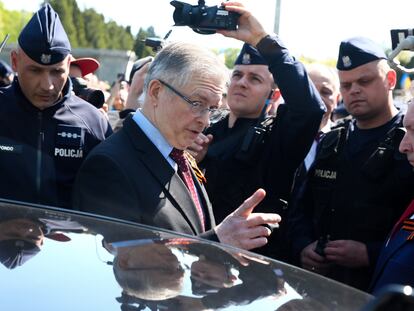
[250, 56]
[358, 51]
[43, 39]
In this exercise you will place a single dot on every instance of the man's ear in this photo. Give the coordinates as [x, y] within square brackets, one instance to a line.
[275, 95]
[153, 92]
[13, 60]
[392, 78]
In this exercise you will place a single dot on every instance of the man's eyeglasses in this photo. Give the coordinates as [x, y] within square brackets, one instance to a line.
[196, 107]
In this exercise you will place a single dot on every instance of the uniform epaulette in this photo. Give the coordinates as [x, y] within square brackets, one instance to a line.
[344, 122]
[334, 139]
[268, 122]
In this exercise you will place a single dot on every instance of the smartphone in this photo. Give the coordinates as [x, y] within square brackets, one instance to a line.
[398, 35]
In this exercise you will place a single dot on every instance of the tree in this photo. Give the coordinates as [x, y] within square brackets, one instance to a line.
[119, 37]
[127, 39]
[12, 22]
[65, 9]
[95, 32]
[80, 25]
[230, 56]
[84, 28]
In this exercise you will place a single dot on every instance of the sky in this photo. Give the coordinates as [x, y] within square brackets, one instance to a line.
[309, 28]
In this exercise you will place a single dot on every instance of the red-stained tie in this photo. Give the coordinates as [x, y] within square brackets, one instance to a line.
[185, 174]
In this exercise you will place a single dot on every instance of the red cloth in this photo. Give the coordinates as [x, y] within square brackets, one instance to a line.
[185, 174]
[408, 212]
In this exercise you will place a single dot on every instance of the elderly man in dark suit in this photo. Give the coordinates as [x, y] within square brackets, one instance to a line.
[395, 263]
[141, 173]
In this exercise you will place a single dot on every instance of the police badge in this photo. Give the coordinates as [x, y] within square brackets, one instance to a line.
[346, 61]
[45, 58]
[246, 59]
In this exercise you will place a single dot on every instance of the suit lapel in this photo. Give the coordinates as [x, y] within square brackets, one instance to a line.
[169, 180]
[389, 250]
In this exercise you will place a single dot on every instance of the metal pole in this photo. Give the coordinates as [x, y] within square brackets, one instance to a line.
[277, 17]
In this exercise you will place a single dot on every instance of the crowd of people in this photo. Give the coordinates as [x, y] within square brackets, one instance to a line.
[274, 172]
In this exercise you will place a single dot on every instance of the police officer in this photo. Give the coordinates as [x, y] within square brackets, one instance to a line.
[247, 149]
[45, 130]
[360, 183]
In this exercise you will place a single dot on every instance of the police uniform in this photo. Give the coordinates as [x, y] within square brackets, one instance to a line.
[264, 152]
[359, 184]
[42, 150]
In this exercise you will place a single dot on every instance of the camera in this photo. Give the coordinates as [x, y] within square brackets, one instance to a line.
[93, 96]
[203, 19]
[156, 44]
[398, 35]
[320, 246]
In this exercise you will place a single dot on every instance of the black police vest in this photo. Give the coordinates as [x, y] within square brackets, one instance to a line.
[358, 201]
[236, 158]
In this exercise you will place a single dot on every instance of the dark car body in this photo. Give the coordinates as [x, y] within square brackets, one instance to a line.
[57, 260]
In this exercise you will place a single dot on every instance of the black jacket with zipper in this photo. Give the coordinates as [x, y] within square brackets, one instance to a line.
[42, 150]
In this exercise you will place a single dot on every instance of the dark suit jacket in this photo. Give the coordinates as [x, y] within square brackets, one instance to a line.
[127, 177]
[395, 263]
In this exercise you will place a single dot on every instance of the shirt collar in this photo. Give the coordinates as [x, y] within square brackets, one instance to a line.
[153, 134]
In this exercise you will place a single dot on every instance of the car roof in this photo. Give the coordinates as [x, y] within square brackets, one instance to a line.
[61, 260]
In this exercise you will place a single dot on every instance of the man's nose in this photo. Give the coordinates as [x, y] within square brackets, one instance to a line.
[405, 145]
[242, 82]
[355, 88]
[46, 82]
[204, 117]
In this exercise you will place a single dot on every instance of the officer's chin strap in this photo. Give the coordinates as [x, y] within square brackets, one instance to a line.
[406, 44]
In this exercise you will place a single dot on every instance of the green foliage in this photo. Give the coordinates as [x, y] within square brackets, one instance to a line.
[95, 33]
[78, 20]
[119, 37]
[12, 22]
[308, 60]
[87, 29]
[230, 56]
[65, 9]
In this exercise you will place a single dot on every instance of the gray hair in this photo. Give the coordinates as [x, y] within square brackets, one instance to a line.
[178, 63]
[331, 72]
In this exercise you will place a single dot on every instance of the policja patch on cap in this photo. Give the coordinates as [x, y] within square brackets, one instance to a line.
[250, 56]
[358, 51]
[43, 39]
